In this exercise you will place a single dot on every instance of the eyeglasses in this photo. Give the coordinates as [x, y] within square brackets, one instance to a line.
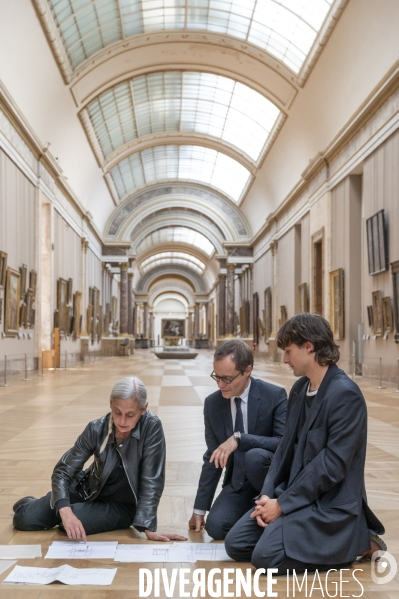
[225, 379]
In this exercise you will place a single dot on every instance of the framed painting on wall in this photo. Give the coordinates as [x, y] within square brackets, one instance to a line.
[33, 282]
[77, 300]
[3, 269]
[268, 312]
[387, 316]
[24, 276]
[172, 328]
[395, 282]
[283, 316]
[337, 315]
[377, 312]
[29, 322]
[69, 292]
[303, 299]
[13, 295]
[377, 243]
[370, 316]
[62, 297]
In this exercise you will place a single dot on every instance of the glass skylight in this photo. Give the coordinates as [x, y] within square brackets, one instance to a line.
[176, 235]
[193, 163]
[186, 102]
[180, 258]
[285, 28]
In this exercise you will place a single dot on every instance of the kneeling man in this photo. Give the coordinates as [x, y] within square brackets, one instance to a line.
[244, 422]
[312, 511]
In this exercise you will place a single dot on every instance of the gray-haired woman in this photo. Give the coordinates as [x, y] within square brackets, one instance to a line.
[123, 485]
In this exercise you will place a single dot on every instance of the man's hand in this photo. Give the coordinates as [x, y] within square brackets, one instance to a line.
[266, 511]
[163, 536]
[221, 454]
[72, 524]
[196, 523]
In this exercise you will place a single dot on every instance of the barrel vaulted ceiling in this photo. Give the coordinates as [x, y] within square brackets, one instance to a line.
[178, 127]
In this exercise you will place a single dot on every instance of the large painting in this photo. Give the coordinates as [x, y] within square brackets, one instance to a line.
[62, 305]
[172, 328]
[13, 294]
[337, 315]
[395, 281]
[377, 246]
[377, 312]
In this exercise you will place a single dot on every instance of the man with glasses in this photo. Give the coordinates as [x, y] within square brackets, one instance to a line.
[244, 422]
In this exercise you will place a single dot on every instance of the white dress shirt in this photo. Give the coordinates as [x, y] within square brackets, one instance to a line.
[244, 408]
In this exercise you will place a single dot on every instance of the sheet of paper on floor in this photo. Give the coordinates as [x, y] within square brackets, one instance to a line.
[20, 551]
[208, 552]
[80, 550]
[65, 574]
[155, 553]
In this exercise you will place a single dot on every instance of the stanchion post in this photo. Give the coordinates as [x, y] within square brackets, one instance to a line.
[26, 368]
[42, 363]
[380, 385]
[5, 373]
[397, 390]
[354, 359]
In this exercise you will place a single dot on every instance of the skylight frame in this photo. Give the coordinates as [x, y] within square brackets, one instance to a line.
[276, 26]
[176, 234]
[185, 102]
[173, 257]
[181, 163]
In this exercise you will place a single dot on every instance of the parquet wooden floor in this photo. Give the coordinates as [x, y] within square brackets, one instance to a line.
[41, 418]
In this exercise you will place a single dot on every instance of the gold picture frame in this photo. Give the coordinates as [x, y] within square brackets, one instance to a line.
[377, 313]
[24, 275]
[77, 311]
[303, 298]
[387, 315]
[33, 282]
[268, 313]
[3, 269]
[13, 295]
[283, 316]
[337, 306]
[63, 313]
[30, 300]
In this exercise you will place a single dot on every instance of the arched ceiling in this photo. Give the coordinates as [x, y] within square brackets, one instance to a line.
[181, 100]
[164, 272]
[284, 28]
[176, 235]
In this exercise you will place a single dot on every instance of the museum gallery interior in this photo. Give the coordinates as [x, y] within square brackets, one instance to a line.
[174, 173]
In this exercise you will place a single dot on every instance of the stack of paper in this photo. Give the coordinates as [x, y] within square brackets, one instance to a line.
[65, 574]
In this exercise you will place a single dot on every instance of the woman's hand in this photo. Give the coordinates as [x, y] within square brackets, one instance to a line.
[163, 536]
[72, 524]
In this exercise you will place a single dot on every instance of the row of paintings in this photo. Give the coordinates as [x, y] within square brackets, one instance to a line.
[17, 298]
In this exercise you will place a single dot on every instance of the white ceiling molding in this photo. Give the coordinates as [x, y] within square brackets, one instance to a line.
[228, 216]
[196, 282]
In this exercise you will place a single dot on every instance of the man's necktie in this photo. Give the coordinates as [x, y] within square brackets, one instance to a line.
[238, 477]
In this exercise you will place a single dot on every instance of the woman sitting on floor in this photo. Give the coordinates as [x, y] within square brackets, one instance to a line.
[123, 485]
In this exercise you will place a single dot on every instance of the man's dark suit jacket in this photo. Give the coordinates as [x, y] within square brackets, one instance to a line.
[267, 406]
[320, 485]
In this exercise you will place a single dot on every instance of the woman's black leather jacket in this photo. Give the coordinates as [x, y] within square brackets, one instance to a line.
[143, 459]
